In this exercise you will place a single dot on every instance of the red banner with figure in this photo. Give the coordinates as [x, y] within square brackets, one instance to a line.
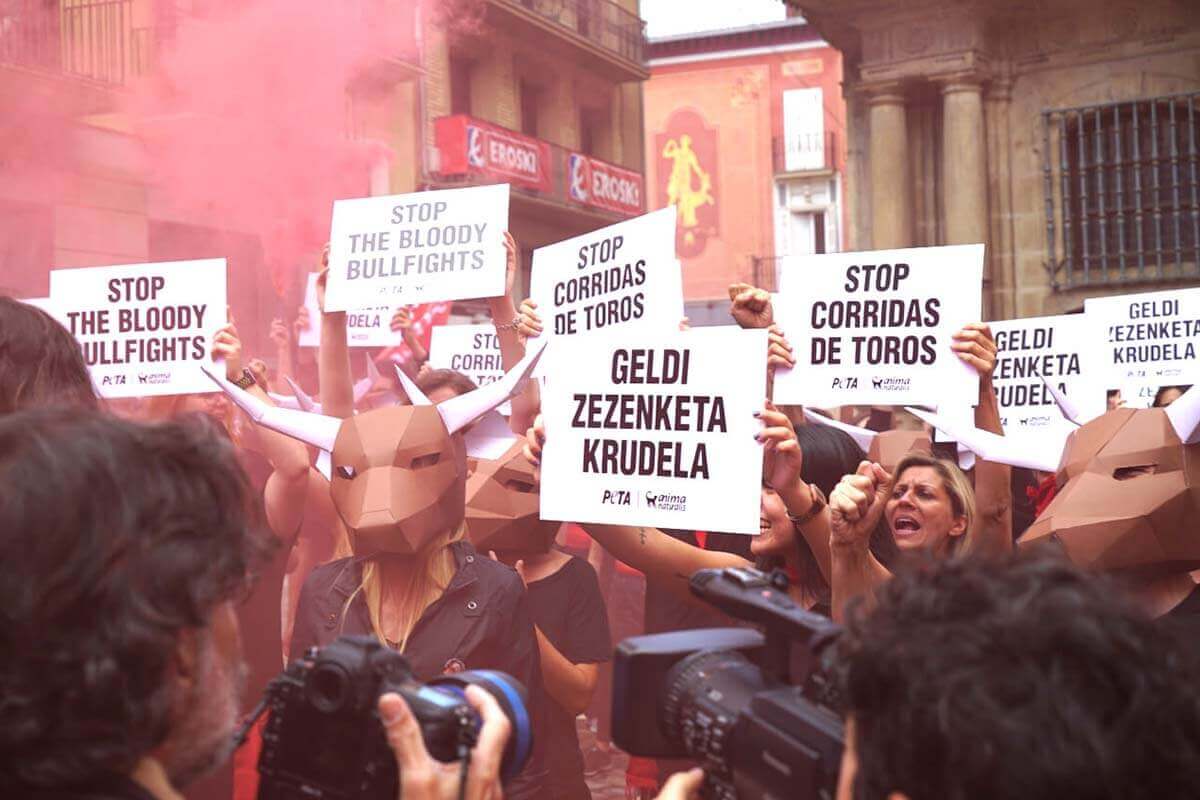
[597, 183]
[468, 145]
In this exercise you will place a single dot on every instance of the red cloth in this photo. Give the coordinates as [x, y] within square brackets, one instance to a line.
[245, 764]
[1042, 494]
[642, 773]
[424, 318]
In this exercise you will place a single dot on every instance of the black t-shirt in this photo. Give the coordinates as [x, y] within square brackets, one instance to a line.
[569, 610]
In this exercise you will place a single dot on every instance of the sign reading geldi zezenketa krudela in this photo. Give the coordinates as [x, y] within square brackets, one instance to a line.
[417, 248]
[144, 328]
[656, 430]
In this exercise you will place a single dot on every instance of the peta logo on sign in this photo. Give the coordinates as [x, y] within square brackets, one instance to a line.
[580, 173]
[615, 497]
[475, 147]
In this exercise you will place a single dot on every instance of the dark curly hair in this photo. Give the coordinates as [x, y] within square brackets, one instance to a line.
[116, 536]
[40, 361]
[1021, 679]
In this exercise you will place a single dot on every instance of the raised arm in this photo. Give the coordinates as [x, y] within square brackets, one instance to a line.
[782, 468]
[333, 360]
[525, 405]
[661, 558]
[993, 488]
[854, 510]
[285, 364]
[284, 493]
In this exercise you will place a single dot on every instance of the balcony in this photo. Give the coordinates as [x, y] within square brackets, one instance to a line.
[557, 180]
[610, 38]
[804, 153]
[88, 40]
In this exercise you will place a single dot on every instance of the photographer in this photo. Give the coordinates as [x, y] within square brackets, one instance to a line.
[125, 548]
[1018, 679]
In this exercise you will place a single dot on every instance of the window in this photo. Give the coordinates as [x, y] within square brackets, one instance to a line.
[530, 97]
[592, 123]
[460, 86]
[1121, 186]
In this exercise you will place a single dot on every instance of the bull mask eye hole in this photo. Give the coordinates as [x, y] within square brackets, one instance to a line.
[346, 472]
[1125, 473]
[428, 460]
[519, 486]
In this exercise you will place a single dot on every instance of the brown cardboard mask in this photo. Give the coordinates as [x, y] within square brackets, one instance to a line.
[397, 475]
[503, 504]
[1128, 490]
[884, 448]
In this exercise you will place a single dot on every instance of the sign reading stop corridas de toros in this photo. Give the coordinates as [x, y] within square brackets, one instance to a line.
[473, 350]
[597, 183]
[144, 329]
[657, 430]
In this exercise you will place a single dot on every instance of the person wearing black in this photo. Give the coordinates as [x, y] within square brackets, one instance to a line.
[573, 640]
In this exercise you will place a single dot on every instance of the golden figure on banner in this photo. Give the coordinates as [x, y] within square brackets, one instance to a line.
[680, 191]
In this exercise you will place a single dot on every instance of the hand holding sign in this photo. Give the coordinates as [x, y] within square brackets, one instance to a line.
[976, 347]
[784, 457]
[529, 324]
[227, 345]
[779, 351]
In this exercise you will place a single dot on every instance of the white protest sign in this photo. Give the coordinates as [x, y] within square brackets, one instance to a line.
[624, 276]
[1056, 349]
[1146, 340]
[473, 350]
[656, 430]
[416, 248]
[875, 328]
[144, 328]
[366, 327]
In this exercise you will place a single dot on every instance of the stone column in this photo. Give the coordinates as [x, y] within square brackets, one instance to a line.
[891, 185]
[964, 160]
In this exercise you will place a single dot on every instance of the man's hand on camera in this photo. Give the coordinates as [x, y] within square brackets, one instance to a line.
[682, 785]
[424, 778]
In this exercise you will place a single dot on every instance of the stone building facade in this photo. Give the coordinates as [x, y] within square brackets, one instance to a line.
[1064, 134]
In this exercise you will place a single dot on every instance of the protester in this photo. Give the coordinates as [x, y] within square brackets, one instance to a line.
[928, 505]
[40, 361]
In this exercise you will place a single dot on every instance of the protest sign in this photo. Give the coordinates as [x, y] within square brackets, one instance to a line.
[365, 327]
[623, 276]
[657, 430]
[875, 328]
[1035, 351]
[473, 350]
[1146, 340]
[144, 328]
[413, 248]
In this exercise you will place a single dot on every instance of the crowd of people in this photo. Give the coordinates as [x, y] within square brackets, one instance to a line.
[163, 560]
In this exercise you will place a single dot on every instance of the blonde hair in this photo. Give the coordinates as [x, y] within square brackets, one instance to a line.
[962, 495]
[432, 568]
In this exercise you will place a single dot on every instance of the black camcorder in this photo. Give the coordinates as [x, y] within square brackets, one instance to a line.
[324, 739]
[729, 698]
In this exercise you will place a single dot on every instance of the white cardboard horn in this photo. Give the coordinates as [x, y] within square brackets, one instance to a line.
[303, 399]
[997, 449]
[862, 436]
[315, 429]
[415, 395]
[459, 412]
[283, 401]
[1068, 408]
[1184, 414]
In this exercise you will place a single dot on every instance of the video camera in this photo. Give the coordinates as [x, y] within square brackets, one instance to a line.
[324, 739]
[725, 696]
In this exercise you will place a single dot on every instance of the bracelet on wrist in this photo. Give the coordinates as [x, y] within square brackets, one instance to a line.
[509, 326]
[818, 504]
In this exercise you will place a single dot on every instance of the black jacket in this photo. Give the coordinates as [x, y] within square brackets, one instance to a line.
[481, 621]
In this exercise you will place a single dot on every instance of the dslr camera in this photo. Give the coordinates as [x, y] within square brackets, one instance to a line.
[324, 738]
[756, 709]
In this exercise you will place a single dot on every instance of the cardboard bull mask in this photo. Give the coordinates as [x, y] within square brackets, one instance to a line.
[884, 448]
[397, 475]
[503, 503]
[1128, 488]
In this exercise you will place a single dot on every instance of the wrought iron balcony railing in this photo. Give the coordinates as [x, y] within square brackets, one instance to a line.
[805, 152]
[601, 22]
[86, 39]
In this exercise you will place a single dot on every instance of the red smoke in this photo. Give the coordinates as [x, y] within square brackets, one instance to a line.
[249, 114]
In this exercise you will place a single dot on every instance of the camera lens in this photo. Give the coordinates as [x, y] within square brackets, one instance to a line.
[705, 694]
[511, 696]
[328, 687]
